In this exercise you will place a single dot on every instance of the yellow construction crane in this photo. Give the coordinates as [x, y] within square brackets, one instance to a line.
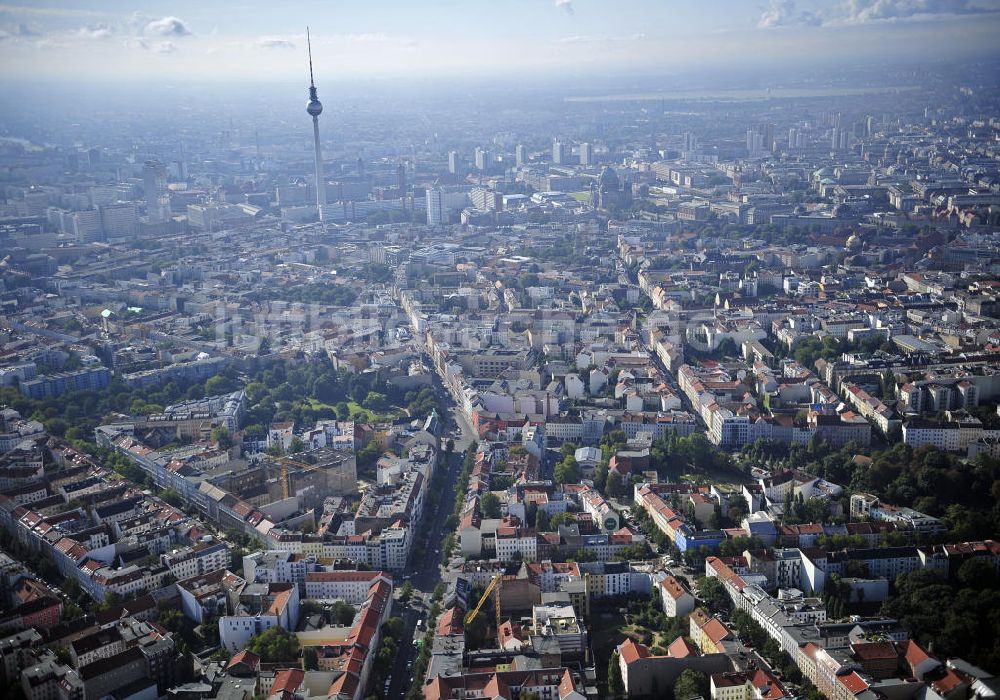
[494, 587]
[284, 480]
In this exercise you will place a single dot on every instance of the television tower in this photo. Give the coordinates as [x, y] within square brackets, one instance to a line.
[315, 108]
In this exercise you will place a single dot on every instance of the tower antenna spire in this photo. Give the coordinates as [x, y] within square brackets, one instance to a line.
[314, 109]
[312, 83]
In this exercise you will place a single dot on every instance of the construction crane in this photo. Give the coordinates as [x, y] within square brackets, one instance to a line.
[286, 484]
[494, 587]
[284, 479]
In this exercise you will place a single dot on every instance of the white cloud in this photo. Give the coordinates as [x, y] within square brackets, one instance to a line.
[168, 26]
[567, 5]
[863, 11]
[97, 32]
[777, 14]
[783, 13]
[273, 42]
[165, 47]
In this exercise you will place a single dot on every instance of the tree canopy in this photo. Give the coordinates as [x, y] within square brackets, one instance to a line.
[490, 505]
[567, 471]
[691, 684]
[960, 617]
[275, 644]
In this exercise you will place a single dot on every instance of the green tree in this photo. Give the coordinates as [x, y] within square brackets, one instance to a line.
[275, 644]
[958, 618]
[490, 505]
[376, 401]
[209, 630]
[601, 476]
[542, 521]
[713, 592]
[310, 659]
[172, 497]
[633, 552]
[174, 621]
[567, 471]
[616, 687]
[561, 519]
[977, 573]
[691, 684]
[615, 486]
[222, 437]
[341, 613]
[394, 627]
[219, 384]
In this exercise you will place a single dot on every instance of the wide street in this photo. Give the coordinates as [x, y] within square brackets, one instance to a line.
[426, 572]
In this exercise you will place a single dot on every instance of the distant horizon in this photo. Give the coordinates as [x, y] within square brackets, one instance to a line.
[223, 42]
[620, 80]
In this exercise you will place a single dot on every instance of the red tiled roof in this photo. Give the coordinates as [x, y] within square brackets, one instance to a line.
[287, 680]
[244, 657]
[681, 648]
[914, 654]
[280, 601]
[631, 652]
[508, 632]
[673, 587]
[566, 685]
[854, 683]
[450, 622]
[764, 680]
[948, 682]
[345, 685]
[716, 631]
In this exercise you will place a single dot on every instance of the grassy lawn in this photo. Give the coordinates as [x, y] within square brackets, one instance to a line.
[580, 196]
[359, 412]
[719, 476]
[316, 404]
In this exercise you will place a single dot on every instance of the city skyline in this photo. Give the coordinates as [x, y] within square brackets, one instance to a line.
[567, 349]
[226, 41]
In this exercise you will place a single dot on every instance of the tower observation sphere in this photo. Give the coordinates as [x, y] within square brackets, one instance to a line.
[315, 107]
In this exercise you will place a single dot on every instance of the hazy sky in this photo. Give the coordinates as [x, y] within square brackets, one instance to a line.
[200, 40]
